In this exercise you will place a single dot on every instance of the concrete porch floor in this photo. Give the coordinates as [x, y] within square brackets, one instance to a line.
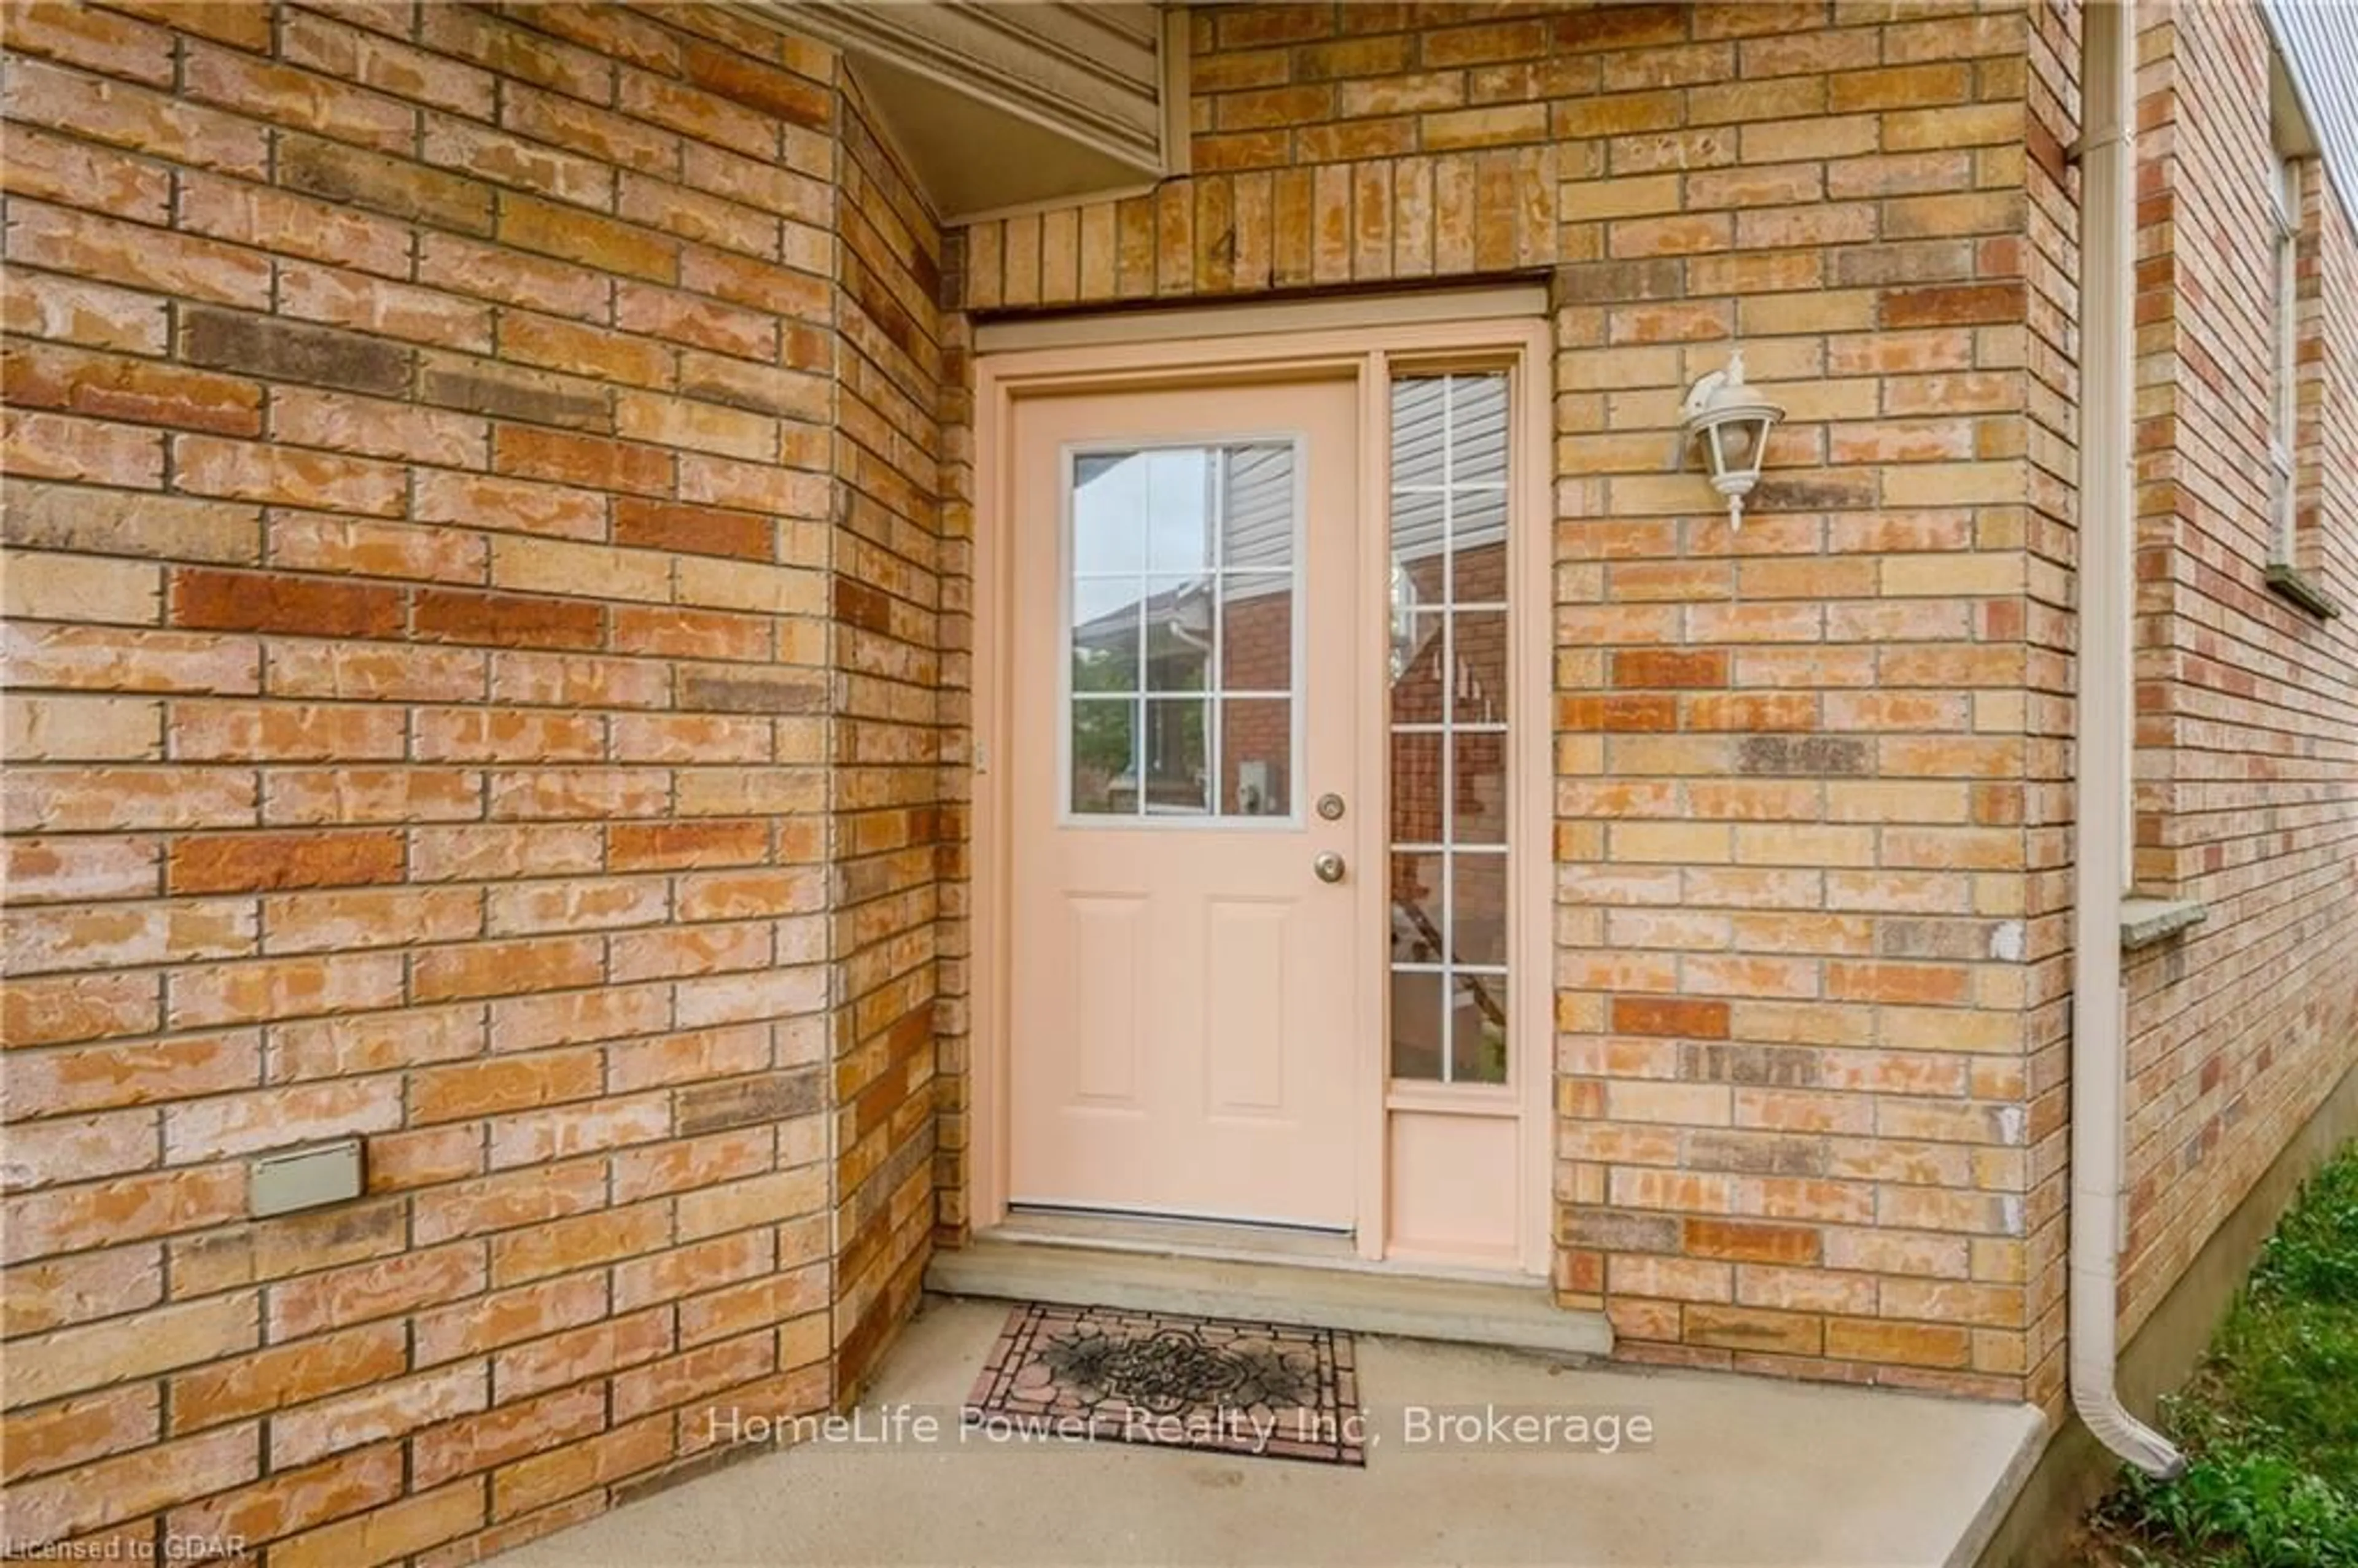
[1741, 1471]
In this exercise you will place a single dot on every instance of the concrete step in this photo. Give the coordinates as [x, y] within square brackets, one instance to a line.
[1304, 1291]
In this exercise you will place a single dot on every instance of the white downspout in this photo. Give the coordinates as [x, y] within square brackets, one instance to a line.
[2099, 1048]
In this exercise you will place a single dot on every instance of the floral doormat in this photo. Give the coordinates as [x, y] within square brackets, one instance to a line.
[1164, 1378]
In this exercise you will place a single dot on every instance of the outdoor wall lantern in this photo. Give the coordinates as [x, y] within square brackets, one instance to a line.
[1731, 422]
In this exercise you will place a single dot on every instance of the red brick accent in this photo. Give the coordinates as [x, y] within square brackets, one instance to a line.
[1669, 1015]
[246, 862]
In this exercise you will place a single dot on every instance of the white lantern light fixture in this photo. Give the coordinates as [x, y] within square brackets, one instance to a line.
[1731, 423]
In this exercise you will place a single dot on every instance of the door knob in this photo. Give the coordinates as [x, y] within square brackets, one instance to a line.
[1328, 865]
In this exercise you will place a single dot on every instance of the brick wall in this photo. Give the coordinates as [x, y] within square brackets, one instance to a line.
[490, 508]
[954, 776]
[1797, 765]
[429, 643]
[887, 754]
[2046, 672]
[2247, 703]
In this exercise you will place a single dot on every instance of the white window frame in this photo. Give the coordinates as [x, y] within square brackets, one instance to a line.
[1169, 818]
[2285, 405]
[1446, 846]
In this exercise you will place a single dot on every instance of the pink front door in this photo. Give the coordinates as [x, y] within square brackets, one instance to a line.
[1184, 1004]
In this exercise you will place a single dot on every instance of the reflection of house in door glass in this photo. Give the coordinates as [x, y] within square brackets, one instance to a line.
[1448, 747]
[1182, 585]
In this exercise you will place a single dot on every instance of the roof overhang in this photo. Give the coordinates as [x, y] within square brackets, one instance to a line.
[2312, 90]
[1000, 106]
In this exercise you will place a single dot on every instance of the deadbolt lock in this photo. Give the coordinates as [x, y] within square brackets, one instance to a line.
[1330, 806]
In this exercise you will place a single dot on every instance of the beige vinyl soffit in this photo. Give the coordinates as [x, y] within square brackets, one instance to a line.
[997, 106]
[1199, 321]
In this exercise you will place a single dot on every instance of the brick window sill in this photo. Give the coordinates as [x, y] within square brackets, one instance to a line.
[2145, 921]
[2303, 590]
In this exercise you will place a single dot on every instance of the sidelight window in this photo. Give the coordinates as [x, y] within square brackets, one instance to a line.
[1448, 741]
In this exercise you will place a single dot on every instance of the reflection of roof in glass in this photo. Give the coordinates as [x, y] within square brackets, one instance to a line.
[1156, 513]
[1177, 618]
[1153, 513]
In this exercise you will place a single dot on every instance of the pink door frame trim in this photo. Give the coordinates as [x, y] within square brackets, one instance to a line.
[1252, 342]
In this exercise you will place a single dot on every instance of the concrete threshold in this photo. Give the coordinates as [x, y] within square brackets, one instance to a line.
[1304, 1286]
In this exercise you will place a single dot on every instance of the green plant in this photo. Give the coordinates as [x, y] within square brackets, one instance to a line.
[2313, 1256]
[2270, 1421]
[2245, 1506]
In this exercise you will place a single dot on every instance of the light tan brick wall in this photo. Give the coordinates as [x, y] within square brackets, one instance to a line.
[444, 707]
[2049, 635]
[2247, 703]
[489, 501]
[887, 754]
[1814, 822]
[1803, 783]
